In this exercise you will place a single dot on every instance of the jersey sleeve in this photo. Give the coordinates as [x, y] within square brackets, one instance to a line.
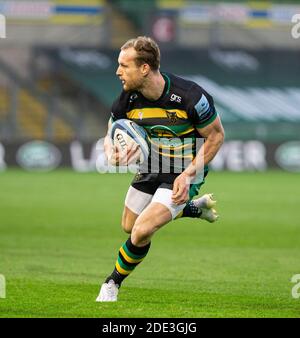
[202, 109]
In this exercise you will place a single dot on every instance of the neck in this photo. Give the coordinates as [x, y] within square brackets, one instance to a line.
[153, 86]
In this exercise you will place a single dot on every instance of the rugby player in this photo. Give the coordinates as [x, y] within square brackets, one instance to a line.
[171, 108]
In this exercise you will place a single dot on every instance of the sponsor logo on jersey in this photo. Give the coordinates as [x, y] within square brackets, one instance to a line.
[202, 107]
[133, 97]
[175, 98]
[138, 176]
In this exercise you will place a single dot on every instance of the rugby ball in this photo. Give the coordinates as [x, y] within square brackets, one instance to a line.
[124, 132]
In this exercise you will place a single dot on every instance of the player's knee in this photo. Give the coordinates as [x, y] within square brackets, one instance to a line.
[140, 234]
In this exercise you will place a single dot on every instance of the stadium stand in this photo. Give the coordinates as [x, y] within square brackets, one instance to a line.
[57, 22]
[122, 28]
[61, 86]
[30, 110]
[136, 15]
[32, 118]
[259, 89]
[4, 104]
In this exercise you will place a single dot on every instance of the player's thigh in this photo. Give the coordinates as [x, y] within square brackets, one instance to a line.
[154, 216]
[160, 211]
[163, 195]
[135, 202]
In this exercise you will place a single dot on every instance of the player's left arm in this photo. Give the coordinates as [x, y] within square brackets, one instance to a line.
[214, 138]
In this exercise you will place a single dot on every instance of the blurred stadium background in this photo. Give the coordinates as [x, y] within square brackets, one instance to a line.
[58, 63]
[59, 231]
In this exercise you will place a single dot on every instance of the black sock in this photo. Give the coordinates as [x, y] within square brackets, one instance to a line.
[190, 210]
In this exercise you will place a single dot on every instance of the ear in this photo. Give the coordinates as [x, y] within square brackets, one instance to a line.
[145, 69]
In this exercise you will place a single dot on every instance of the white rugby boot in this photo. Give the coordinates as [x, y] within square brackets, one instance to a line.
[209, 215]
[205, 205]
[206, 201]
[108, 292]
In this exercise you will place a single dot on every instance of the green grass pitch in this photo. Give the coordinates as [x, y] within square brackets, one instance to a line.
[60, 233]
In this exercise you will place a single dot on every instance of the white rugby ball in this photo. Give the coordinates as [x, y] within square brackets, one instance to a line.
[124, 132]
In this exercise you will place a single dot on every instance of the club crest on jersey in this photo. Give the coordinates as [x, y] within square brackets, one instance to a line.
[140, 115]
[172, 116]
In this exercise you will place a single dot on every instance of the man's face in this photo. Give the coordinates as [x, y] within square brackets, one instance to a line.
[128, 72]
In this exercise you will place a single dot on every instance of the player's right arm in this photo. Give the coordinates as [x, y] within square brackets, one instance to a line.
[113, 155]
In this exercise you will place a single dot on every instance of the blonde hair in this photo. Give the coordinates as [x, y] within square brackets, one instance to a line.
[147, 51]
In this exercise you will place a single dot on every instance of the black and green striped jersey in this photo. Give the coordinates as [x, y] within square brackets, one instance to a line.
[171, 121]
